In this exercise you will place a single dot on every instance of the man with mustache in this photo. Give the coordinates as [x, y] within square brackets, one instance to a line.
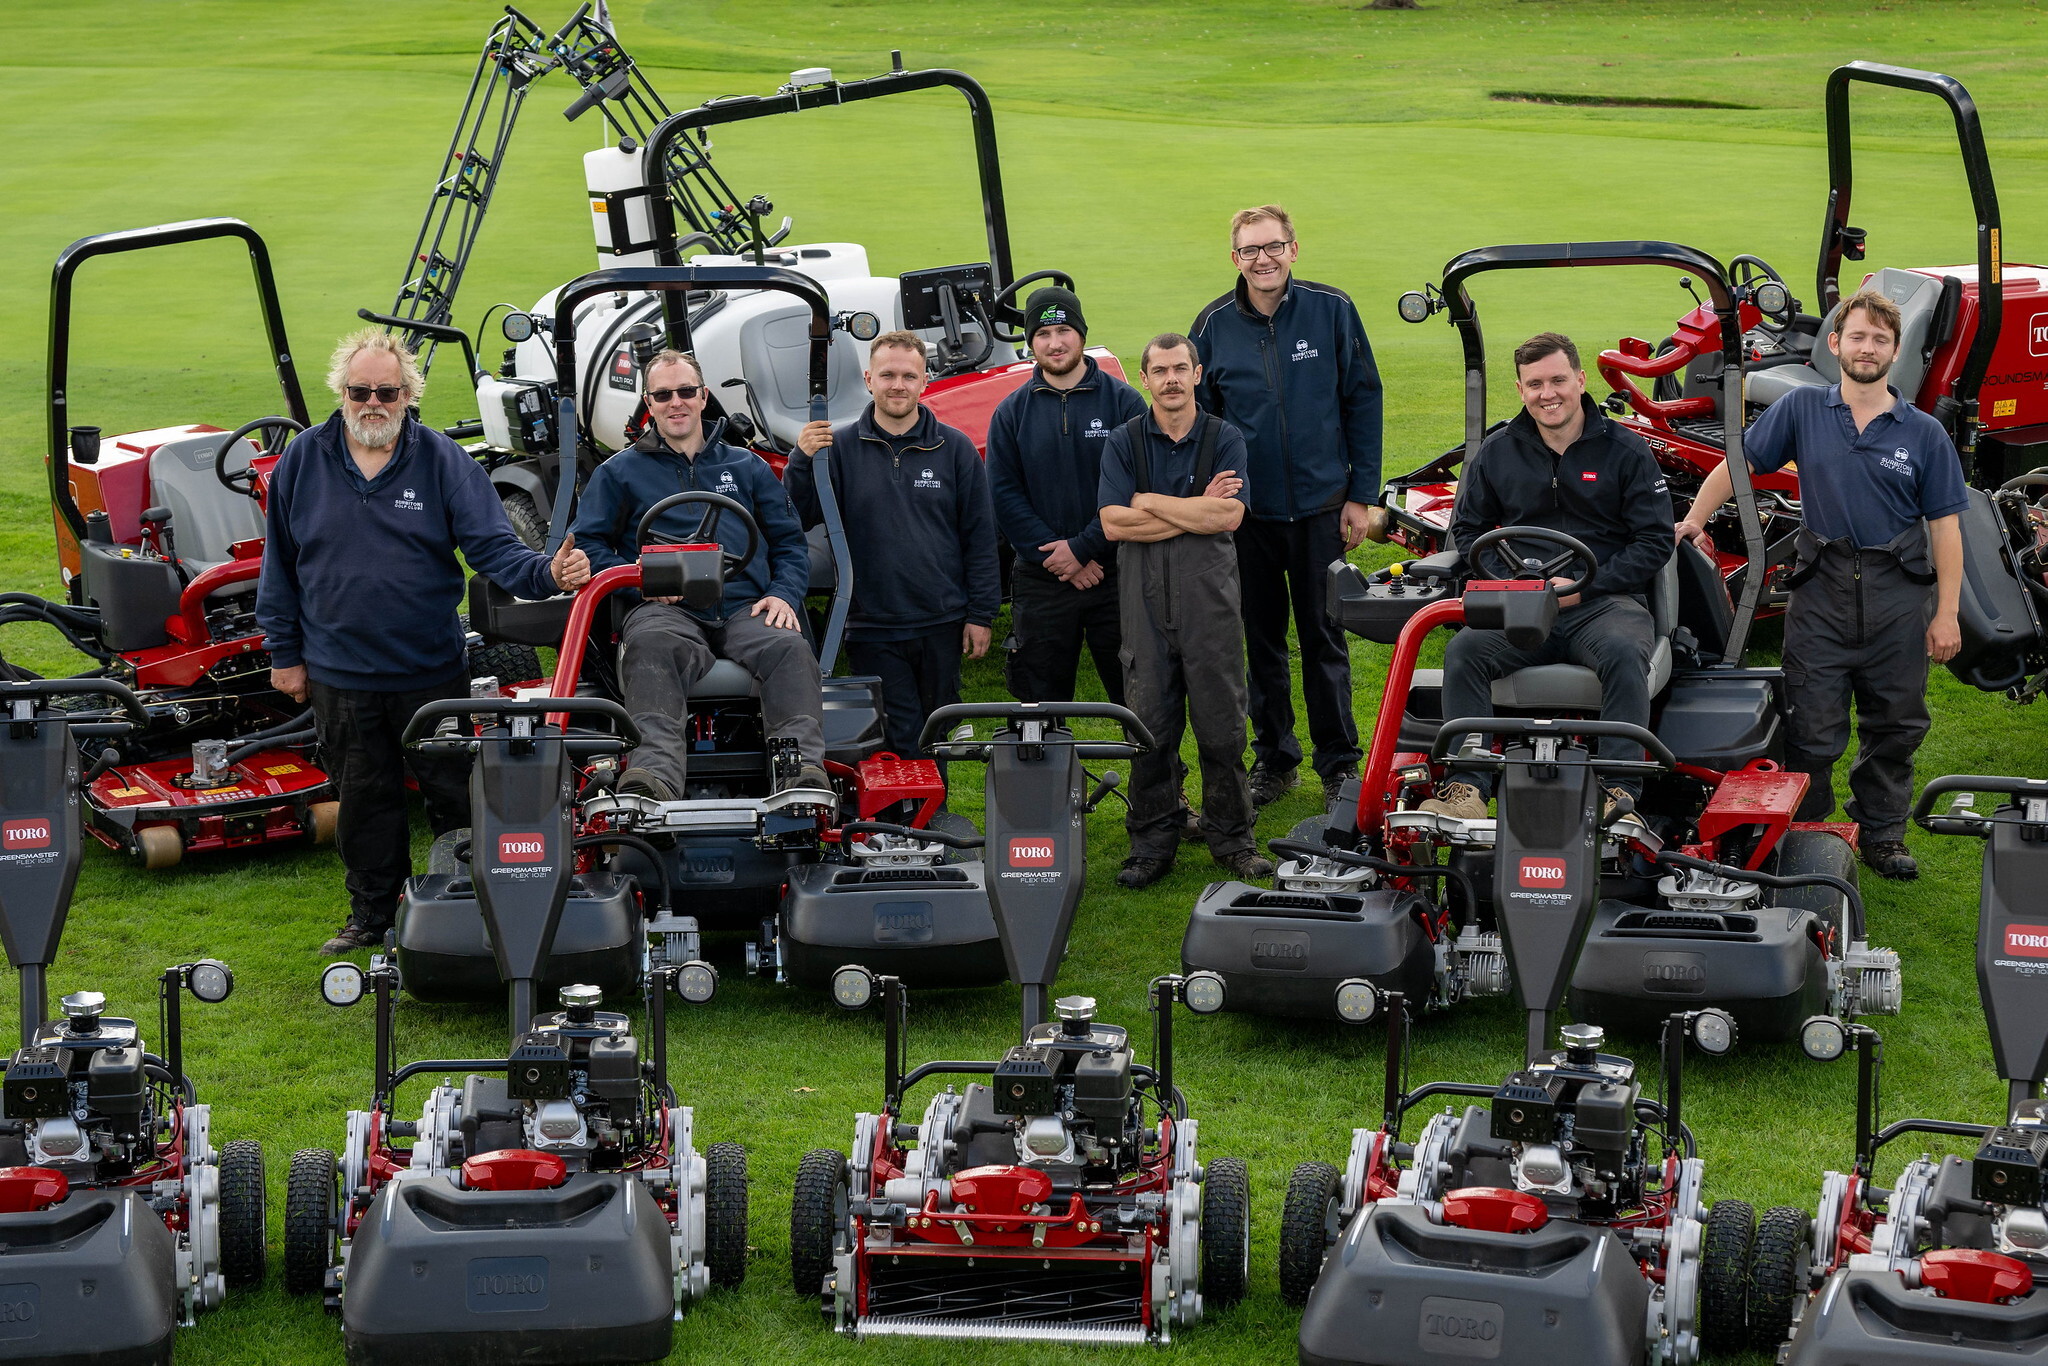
[1880, 493]
[358, 604]
[1172, 492]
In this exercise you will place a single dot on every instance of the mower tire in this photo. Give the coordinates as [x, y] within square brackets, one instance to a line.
[817, 1213]
[1777, 1273]
[441, 858]
[1724, 1275]
[527, 523]
[312, 1227]
[725, 1213]
[1802, 852]
[502, 660]
[1226, 1231]
[159, 846]
[952, 823]
[1309, 1223]
[241, 1212]
[1311, 830]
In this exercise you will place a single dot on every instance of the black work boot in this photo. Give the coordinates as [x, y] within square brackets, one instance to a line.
[1140, 871]
[352, 936]
[1889, 858]
[1247, 865]
[1270, 784]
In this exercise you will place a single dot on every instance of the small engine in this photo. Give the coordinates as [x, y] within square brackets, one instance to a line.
[1061, 1101]
[79, 1096]
[1571, 1124]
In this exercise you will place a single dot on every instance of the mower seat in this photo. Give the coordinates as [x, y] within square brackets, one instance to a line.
[206, 518]
[725, 680]
[1574, 687]
[775, 359]
[1918, 297]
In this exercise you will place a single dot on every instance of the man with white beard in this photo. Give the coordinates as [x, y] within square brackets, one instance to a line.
[359, 598]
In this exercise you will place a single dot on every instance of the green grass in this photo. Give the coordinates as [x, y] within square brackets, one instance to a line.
[1130, 134]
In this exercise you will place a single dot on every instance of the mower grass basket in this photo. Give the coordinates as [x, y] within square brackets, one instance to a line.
[1942, 1266]
[110, 1184]
[1060, 1200]
[551, 1206]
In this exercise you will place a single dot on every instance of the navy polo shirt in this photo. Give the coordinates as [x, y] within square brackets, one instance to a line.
[1866, 487]
[1170, 463]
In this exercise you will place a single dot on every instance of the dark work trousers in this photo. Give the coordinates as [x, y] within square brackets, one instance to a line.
[1609, 635]
[663, 651]
[1283, 566]
[359, 733]
[1050, 621]
[1183, 658]
[1858, 628]
[918, 675]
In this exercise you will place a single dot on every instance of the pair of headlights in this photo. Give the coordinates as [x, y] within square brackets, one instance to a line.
[1356, 1000]
[344, 983]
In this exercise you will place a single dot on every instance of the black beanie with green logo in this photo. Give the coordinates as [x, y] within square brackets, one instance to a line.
[1053, 306]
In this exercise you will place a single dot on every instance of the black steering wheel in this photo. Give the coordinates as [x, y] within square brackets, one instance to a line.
[243, 481]
[717, 506]
[1497, 554]
[1748, 274]
[1007, 295]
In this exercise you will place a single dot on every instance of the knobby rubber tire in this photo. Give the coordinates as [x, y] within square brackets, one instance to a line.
[1776, 1282]
[1305, 1222]
[725, 1213]
[527, 523]
[311, 1206]
[814, 1218]
[1724, 1275]
[1226, 1231]
[242, 1253]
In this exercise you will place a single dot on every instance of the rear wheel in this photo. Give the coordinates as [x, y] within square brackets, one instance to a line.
[1777, 1275]
[1309, 1223]
[242, 1252]
[816, 1215]
[1724, 1275]
[159, 846]
[725, 1213]
[527, 523]
[1803, 852]
[1226, 1231]
[312, 1220]
[441, 854]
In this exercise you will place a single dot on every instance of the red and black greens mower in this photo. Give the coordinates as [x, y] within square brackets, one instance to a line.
[110, 1183]
[1941, 1266]
[548, 1205]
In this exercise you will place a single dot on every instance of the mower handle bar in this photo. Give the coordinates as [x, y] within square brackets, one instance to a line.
[1138, 738]
[1976, 823]
[89, 723]
[1661, 756]
[1671, 858]
[430, 715]
[951, 841]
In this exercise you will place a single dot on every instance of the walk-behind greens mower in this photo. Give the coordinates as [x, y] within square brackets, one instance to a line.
[1963, 356]
[1941, 1267]
[549, 1205]
[1709, 893]
[110, 1185]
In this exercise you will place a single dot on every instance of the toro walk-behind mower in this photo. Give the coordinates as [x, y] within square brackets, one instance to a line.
[1942, 1266]
[1708, 893]
[1564, 1222]
[119, 1218]
[548, 1205]
[160, 542]
[1060, 1200]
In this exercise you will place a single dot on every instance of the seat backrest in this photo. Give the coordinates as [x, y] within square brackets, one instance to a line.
[1664, 600]
[206, 517]
[775, 358]
[1917, 296]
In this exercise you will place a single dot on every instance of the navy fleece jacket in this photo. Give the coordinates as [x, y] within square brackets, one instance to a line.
[918, 524]
[626, 485]
[360, 581]
[1045, 458]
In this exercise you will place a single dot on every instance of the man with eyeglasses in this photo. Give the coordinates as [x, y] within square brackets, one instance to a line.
[358, 604]
[1286, 362]
[666, 647]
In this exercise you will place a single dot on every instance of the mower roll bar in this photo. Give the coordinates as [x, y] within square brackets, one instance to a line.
[1138, 739]
[1661, 756]
[1838, 239]
[440, 332]
[427, 717]
[14, 695]
[1535, 256]
[794, 99]
[141, 239]
[1974, 823]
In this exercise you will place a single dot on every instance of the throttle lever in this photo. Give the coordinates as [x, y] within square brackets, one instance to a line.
[1107, 784]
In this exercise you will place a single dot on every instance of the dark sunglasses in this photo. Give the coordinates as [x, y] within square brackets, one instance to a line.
[684, 391]
[386, 393]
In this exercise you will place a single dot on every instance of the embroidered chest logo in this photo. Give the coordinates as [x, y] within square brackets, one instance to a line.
[409, 502]
[1900, 461]
[725, 483]
[927, 480]
[1303, 351]
[1095, 428]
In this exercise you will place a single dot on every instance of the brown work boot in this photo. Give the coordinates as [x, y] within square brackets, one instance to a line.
[1619, 803]
[352, 936]
[1246, 865]
[1462, 801]
[1889, 858]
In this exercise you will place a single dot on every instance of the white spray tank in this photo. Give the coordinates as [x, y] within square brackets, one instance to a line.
[620, 217]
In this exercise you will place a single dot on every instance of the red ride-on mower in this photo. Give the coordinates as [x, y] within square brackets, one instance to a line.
[548, 1205]
[160, 541]
[1941, 1267]
[1681, 918]
[110, 1186]
[1061, 1200]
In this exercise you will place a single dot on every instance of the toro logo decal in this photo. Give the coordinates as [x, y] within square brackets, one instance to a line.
[522, 848]
[2037, 335]
[1034, 851]
[2027, 941]
[1541, 872]
[33, 833]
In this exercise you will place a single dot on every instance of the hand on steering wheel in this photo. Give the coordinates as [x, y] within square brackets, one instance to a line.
[717, 504]
[1504, 553]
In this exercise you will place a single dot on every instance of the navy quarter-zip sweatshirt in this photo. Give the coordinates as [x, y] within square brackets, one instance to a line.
[1045, 449]
[360, 582]
[1303, 388]
[918, 526]
[618, 495]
